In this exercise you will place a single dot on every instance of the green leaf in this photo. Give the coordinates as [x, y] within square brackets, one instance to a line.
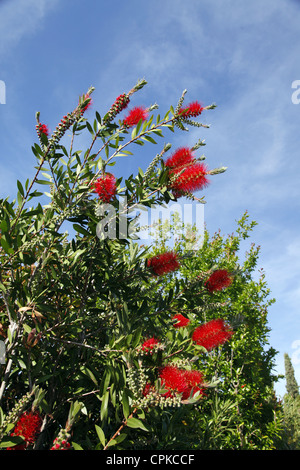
[2, 287]
[100, 434]
[80, 229]
[200, 348]
[42, 182]
[76, 254]
[104, 409]
[89, 128]
[75, 408]
[76, 446]
[120, 438]
[136, 336]
[11, 441]
[129, 186]
[89, 374]
[2, 417]
[35, 194]
[134, 133]
[47, 176]
[105, 381]
[125, 402]
[20, 188]
[98, 117]
[136, 423]
[45, 378]
[20, 198]
[5, 245]
[149, 139]
[3, 226]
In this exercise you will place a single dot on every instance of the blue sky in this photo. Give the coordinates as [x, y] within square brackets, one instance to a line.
[243, 56]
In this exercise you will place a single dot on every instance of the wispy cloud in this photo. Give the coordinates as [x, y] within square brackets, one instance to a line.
[19, 18]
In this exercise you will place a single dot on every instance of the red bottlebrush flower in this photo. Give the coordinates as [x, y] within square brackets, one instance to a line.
[121, 102]
[105, 187]
[194, 380]
[149, 344]
[59, 444]
[135, 115]
[42, 129]
[192, 179]
[163, 263]
[218, 280]
[180, 381]
[28, 426]
[181, 321]
[212, 334]
[191, 110]
[182, 157]
[186, 174]
[173, 380]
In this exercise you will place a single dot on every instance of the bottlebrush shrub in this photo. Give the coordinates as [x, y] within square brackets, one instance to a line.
[99, 372]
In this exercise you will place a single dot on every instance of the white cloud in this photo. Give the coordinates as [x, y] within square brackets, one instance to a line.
[19, 18]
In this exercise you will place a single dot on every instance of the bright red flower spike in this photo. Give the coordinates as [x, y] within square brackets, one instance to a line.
[28, 426]
[135, 115]
[163, 263]
[218, 280]
[42, 129]
[149, 344]
[192, 179]
[182, 157]
[212, 334]
[181, 321]
[105, 187]
[182, 381]
[191, 110]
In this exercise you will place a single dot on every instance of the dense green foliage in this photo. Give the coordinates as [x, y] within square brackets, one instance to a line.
[291, 406]
[291, 383]
[76, 309]
[242, 411]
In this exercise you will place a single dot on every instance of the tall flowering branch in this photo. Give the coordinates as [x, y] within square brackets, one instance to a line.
[72, 201]
[122, 101]
[69, 119]
[66, 122]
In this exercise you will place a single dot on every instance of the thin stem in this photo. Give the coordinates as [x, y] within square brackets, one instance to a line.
[29, 189]
[87, 346]
[120, 428]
